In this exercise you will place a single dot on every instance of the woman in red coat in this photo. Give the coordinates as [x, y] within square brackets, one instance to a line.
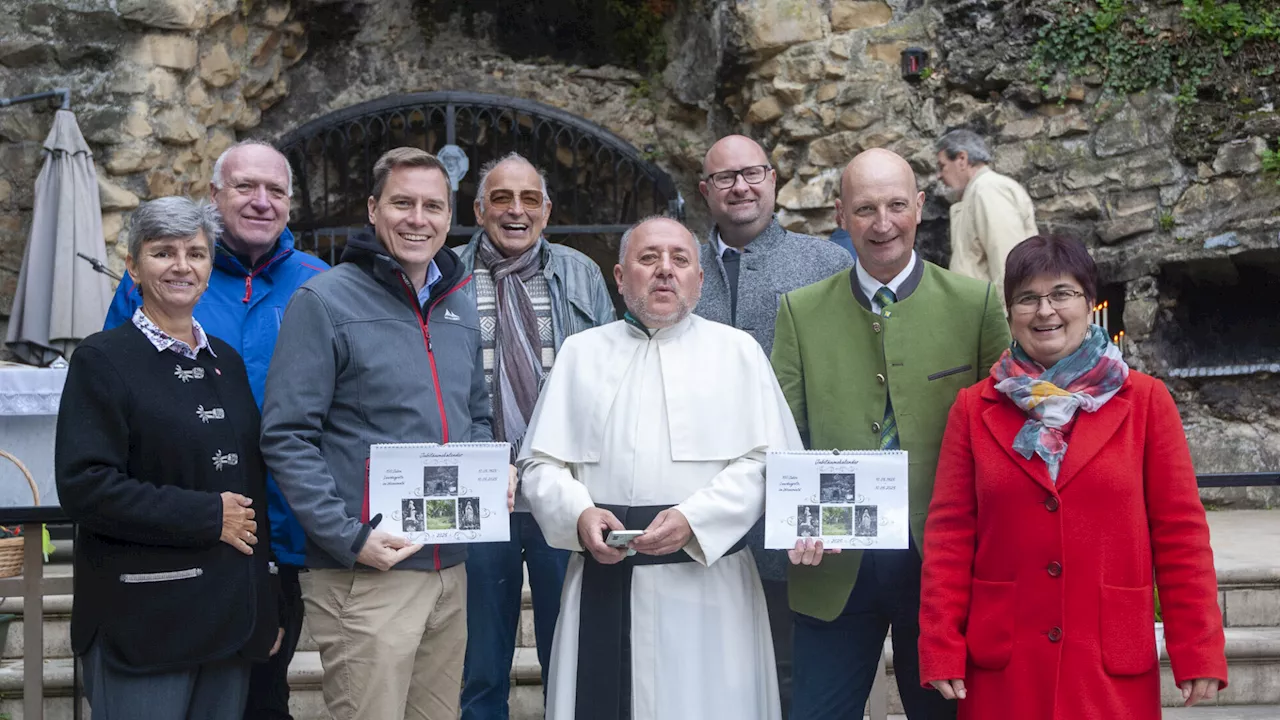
[1064, 492]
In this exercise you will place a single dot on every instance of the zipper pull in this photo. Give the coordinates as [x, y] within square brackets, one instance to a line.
[248, 288]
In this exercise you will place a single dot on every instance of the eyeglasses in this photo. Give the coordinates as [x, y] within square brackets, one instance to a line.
[753, 175]
[1058, 299]
[503, 200]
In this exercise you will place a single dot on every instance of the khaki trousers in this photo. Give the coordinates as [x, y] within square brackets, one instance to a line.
[391, 643]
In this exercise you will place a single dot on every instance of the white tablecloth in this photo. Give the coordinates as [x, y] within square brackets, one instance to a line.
[30, 391]
[29, 400]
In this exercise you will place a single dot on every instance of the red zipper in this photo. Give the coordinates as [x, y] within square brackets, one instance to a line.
[248, 279]
[431, 358]
[426, 339]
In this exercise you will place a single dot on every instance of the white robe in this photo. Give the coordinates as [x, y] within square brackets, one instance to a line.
[683, 418]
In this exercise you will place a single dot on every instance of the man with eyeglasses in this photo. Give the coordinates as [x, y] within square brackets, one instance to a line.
[750, 261]
[255, 271]
[531, 295]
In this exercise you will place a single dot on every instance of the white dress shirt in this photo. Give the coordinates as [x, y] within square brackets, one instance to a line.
[721, 247]
[870, 285]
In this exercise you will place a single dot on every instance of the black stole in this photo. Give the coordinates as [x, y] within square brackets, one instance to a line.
[604, 616]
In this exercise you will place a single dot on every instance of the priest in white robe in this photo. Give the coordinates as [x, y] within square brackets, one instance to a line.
[660, 423]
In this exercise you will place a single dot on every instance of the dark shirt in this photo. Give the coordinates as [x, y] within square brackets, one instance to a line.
[732, 260]
[243, 258]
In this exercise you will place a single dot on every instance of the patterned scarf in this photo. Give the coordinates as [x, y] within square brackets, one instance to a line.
[1086, 379]
[517, 364]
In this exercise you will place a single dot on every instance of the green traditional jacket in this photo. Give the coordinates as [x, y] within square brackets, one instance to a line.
[836, 361]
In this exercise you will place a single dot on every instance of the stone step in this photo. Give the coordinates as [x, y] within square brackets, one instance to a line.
[305, 674]
[57, 629]
[307, 702]
[1201, 712]
[1249, 597]
[1224, 712]
[1244, 543]
[1249, 594]
[309, 705]
[1253, 668]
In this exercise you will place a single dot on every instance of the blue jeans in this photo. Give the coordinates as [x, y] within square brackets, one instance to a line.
[494, 582]
[835, 662]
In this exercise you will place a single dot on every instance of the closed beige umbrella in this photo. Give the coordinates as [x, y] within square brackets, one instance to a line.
[61, 299]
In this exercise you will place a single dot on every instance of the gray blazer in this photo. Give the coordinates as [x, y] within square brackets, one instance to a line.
[776, 262]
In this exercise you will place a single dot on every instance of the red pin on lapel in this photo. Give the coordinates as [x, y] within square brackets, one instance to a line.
[217, 371]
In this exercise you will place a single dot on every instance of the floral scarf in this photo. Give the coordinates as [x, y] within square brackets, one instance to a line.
[1086, 379]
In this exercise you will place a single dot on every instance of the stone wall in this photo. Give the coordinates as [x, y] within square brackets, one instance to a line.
[162, 87]
[820, 83]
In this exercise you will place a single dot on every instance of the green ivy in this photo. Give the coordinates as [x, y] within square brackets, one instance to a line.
[1114, 42]
[640, 39]
[1271, 163]
[1231, 25]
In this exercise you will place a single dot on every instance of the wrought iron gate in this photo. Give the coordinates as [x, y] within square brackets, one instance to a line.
[599, 184]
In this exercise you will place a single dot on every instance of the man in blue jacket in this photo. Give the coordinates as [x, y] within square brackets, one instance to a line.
[255, 272]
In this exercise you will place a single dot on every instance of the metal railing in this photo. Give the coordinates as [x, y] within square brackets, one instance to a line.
[33, 586]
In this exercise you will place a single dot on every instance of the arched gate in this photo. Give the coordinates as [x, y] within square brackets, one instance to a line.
[599, 184]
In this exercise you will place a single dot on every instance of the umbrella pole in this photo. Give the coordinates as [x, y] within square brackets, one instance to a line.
[64, 94]
[98, 266]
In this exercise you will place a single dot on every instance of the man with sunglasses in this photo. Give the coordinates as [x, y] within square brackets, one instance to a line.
[531, 295]
[750, 261]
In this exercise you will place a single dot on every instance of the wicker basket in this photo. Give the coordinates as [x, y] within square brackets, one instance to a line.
[11, 549]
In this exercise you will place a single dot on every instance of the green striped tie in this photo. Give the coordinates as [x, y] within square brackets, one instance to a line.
[884, 297]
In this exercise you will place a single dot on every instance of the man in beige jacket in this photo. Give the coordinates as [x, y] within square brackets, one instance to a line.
[991, 213]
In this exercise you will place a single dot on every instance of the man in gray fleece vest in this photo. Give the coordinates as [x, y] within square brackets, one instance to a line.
[750, 261]
[381, 349]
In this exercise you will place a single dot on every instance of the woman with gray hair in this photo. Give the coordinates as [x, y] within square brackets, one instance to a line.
[157, 461]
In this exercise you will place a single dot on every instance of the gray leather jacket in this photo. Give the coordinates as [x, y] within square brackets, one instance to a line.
[579, 297]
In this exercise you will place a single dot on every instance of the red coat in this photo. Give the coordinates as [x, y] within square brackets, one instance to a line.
[1040, 595]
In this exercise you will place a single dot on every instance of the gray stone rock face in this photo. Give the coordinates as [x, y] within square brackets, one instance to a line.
[1082, 205]
[1140, 316]
[774, 25]
[162, 87]
[1124, 133]
[1123, 204]
[696, 59]
[1114, 231]
[25, 53]
[1240, 157]
[168, 14]
[1153, 168]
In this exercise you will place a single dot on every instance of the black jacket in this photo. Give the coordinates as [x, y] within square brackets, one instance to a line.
[146, 443]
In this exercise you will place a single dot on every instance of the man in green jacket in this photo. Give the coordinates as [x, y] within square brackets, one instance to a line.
[873, 359]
